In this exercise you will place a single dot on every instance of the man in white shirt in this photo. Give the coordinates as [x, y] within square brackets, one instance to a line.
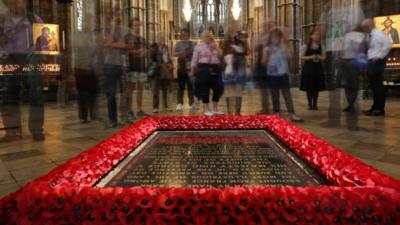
[379, 47]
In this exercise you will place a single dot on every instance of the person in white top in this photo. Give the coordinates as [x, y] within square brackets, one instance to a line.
[379, 47]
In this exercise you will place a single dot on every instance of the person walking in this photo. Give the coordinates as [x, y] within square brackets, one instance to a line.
[206, 69]
[115, 48]
[276, 58]
[136, 76]
[161, 80]
[354, 61]
[234, 51]
[379, 48]
[312, 74]
[184, 51]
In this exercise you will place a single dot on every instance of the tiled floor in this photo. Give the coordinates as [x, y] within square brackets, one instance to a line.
[377, 141]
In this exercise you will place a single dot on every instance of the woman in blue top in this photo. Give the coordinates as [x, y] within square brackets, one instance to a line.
[276, 60]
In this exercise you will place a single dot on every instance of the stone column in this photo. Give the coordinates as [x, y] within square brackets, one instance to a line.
[152, 17]
[289, 12]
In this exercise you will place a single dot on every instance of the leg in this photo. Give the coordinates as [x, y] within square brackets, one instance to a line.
[310, 100]
[36, 110]
[238, 105]
[288, 100]
[181, 87]
[122, 83]
[129, 95]
[275, 100]
[164, 90]
[290, 106]
[139, 96]
[190, 90]
[10, 106]
[156, 92]
[111, 86]
[265, 104]
[315, 100]
[217, 90]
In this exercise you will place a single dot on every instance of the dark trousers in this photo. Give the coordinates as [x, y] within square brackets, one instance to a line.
[205, 81]
[113, 75]
[286, 95]
[36, 102]
[86, 85]
[183, 82]
[10, 86]
[375, 76]
[159, 84]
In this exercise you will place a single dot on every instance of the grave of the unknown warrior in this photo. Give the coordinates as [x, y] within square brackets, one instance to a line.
[211, 159]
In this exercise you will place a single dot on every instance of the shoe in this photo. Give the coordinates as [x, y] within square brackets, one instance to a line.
[83, 121]
[375, 113]
[296, 119]
[310, 107]
[155, 111]
[208, 113]
[10, 137]
[261, 113]
[179, 107]
[167, 110]
[218, 112]
[130, 117]
[111, 124]
[38, 137]
[315, 108]
[349, 109]
[141, 113]
[367, 111]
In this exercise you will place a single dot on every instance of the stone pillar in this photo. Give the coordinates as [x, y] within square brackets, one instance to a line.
[289, 12]
[152, 17]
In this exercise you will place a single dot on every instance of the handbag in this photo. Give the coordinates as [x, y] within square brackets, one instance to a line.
[153, 69]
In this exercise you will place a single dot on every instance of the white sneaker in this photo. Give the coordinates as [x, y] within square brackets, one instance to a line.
[155, 110]
[208, 113]
[218, 112]
[179, 107]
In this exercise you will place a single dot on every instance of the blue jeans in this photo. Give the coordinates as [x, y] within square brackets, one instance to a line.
[113, 75]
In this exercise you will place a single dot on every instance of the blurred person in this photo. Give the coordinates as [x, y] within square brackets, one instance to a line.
[234, 51]
[276, 57]
[161, 81]
[260, 72]
[115, 48]
[312, 74]
[391, 32]
[379, 47]
[354, 60]
[335, 22]
[206, 70]
[85, 48]
[136, 76]
[184, 51]
[16, 45]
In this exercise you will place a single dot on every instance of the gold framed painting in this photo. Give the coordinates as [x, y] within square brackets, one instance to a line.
[46, 39]
[391, 26]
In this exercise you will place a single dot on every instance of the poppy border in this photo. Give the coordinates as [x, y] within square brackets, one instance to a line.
[359, 194]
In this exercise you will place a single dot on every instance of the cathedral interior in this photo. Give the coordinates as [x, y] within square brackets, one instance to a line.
[373, 140]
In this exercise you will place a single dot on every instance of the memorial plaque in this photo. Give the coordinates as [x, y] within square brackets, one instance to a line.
[211, 159]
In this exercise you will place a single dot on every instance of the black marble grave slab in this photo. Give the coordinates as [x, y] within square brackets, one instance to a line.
[212, 159]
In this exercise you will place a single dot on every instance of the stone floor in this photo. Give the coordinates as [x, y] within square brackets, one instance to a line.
[376, 142]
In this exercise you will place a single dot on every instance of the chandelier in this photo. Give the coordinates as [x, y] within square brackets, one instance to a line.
[187, 10]
[236, 10]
